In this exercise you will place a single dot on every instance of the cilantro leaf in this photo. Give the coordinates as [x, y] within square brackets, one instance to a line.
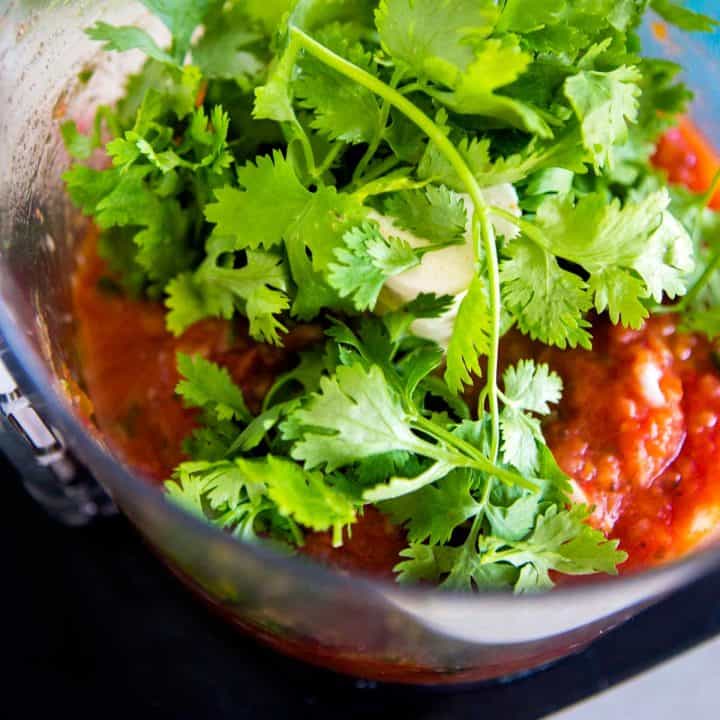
[268, 12]
[532, 387]
[181, 17]
[705, 321]
[343, 109]
[434, 512]
[208, 386]
[548, 303]
[219, 492]
[400, 486]
[306, 497]
[366, 261]
[354, 416]
[253, 216]
[521, 434]
[326, 218]
[604, 103]
[524, 16]
[119, 199]
[566, 152]
[436, 214]
[471, 337]
[662, 102]
[310, 224]
[79, 146]
[228, 49]
[128, 38]
[258, 289]
[212, 441]
[311, 243]
[631, 253]
[529, 388]
[419, 33]
[561, 541]
[566, 29]
[261, 286]
[239, 494]
[425, 563]
[515, 519]
[428, 306]
[497, 63]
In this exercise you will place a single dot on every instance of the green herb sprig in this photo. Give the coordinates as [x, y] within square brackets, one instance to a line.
[256, 168]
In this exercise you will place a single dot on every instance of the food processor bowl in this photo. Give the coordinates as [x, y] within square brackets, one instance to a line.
[355, 625]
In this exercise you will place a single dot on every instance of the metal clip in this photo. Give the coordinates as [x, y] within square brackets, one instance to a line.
[44, 441]
[67, 492]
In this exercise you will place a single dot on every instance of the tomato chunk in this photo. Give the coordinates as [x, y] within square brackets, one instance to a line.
[689, 159]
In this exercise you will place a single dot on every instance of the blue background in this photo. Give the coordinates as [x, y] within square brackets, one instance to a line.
[700, 55]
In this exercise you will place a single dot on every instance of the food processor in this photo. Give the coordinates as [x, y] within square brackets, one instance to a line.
[352, 624]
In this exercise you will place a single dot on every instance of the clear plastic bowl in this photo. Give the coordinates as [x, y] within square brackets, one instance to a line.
[354, 625]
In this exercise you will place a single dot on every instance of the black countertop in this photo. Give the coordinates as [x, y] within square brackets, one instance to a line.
[95, 627]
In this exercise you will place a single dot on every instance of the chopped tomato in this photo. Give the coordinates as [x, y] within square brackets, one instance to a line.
[689, 159]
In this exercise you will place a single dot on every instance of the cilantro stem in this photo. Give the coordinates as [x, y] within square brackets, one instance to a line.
[709, 194]
[383, 167]
[296, 130]
[699, 285]
[471, 543]
[529, 229]
[411, 88]
[330, 158]
[451, 153]
[375, 144]
[479, 461]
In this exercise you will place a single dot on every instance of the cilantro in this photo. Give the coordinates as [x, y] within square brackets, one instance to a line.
[286, 161]
[354, 416]
[434, 512]
[366, 261]
[400, 486]
[604, 103]
[428, 305]
[497, 63]
[213, 291]
[181, 17]
[436, 214]
[343, 110]
[560, 541]
[703, 320]
[268, 12]
[566, 152]
[528, 389]
[128, 38]
[421, 34]
[240, 495]
[210, 387]
[253, 216]
[79, 146]
[528, 536]
[631, 253]
[470, 339]
[229, 49]
[548, 303]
